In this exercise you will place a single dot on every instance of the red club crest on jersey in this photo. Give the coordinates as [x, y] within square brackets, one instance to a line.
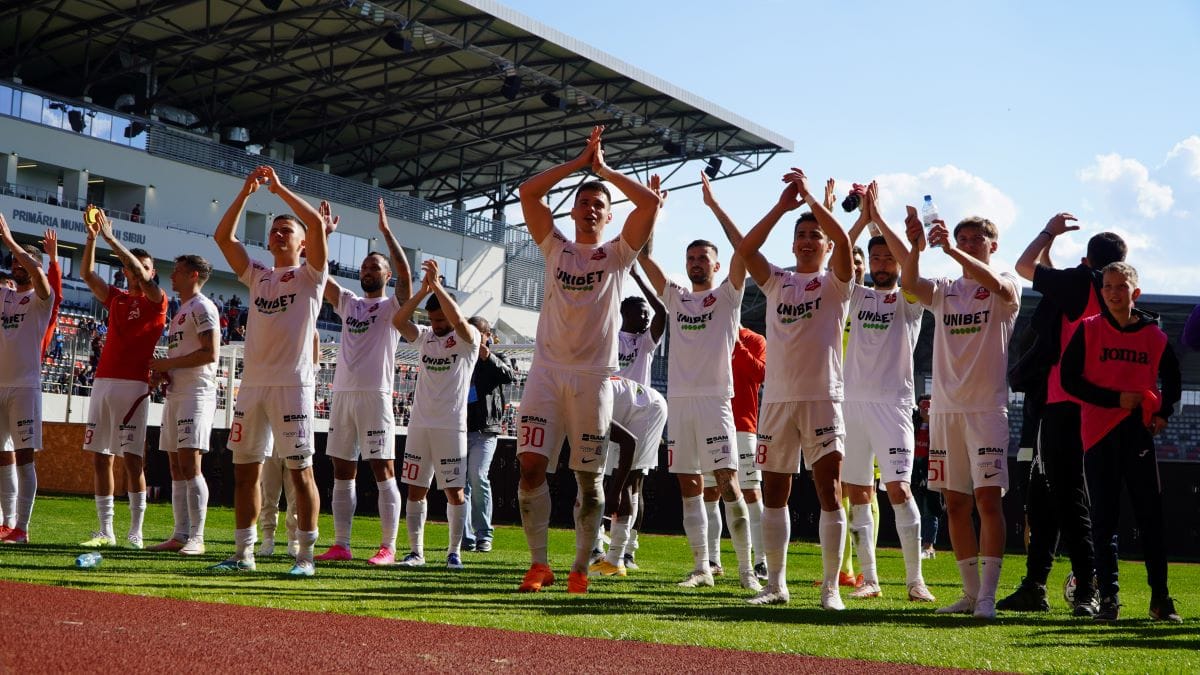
[374, 307]
[287, 276]
[709, 300]
[181, 320]
[450, 342]
[889, 299]
[982, 293]
[813, 285]
[599, 254]
[24, 301]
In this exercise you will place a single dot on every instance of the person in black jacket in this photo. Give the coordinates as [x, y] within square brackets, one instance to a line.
[485, 411]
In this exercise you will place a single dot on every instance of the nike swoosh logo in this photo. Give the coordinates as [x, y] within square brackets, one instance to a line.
[826, 443]
[899, 473]
[991, 475]
[375, 451]
[589, 460]
[182, 440]
[300, 445]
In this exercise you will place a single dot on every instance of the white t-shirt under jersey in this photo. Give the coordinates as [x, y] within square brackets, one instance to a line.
[193, 317]
[577, 327]
[970, 346]
[23, 320]
[635, 353]
[806, 314]
[283, 307]
[884, 328]
[704, 326]
[367, 356]
[440, 399]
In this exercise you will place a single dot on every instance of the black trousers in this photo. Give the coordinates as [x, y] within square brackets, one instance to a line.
[1058, 497]
[1126, 455]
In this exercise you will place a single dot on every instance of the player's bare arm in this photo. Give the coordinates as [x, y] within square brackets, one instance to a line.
[206, 353]
[141, 276]
[87, 264]
[33, 266]
[316, 242]
[1038, 250]
[750, 248]
[449, 307]
[226, 233]
[538, 217]
[864, 218]
[910, 270]
[939, 235]
[842, 260]
[647, 200]
[654, 273]
[737, 268]
[658, 321]
[616, 485]
[870, 207]
[400, 270]
[402, 319]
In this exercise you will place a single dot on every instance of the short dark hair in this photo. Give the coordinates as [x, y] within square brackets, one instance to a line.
[140, 253]
[987, 226]
[292, 218]
[1106, 248]
[706, 243]
[806, 217]
[33, 251]
[197, 264]
[594, 186]
[433, 304]
[633, 300]
[877, 241]
[857, 251]
[481, 324]
[387, 260]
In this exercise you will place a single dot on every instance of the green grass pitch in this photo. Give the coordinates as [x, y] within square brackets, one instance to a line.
[644, 606]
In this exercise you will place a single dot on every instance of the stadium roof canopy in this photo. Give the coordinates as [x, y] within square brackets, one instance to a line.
[450, 100]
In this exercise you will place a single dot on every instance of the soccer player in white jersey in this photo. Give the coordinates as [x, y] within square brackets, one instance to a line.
[575, 350]
[437, 430]
[801, 418]
[276, 399]
[193, 345]
[704, 327]
[885, 323]
[642, 412]
[362, 420]
[24, 314]
[968, 417]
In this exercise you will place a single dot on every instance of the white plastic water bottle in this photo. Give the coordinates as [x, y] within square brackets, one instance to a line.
[88, 560]
[929, 212]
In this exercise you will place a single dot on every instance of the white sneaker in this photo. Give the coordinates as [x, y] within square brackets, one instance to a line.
[867, 589]
[831, 598]
[412, 560]
[134, 541]
[985, 608]
[193, 546]
[266, 549]
[696, 578]
[919, 592]
[750, 581]
[771, 596]
[964, 605]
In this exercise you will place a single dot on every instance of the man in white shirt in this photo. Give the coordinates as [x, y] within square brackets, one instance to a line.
[437, 431]
[576, 349]
[190, 369]
[704, 327]
[362, 419]
[801, 419]
[24, 315]
[968, 416]
[276, 399]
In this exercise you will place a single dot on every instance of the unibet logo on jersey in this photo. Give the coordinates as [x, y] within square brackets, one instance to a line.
[276, 305]
[438, 364]
[793, 313]
[969, 323]
[12, 321]
[359, 326]
[875, 320]
[578, 282]
[689, 322]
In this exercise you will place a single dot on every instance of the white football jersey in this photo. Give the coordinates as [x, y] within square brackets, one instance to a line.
[578, 325]
[884, 328]
[23, 320]
[367, 356]
[440, 399]
[283, 307]
[970, 346]
[196, 316]
[635, 354]
[704, 327]
[806, 314]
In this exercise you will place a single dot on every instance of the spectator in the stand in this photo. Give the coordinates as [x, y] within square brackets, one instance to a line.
[239, 333]
[56, 352]
[225, 329]
[135, 216]
[118, 279]
[929, 502]
[172, 307]
[485, 410]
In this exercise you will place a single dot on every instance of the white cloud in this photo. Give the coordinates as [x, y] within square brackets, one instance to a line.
[957, 193]
[1126, 189]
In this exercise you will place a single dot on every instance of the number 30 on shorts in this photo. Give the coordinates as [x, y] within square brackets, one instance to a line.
[532, 437]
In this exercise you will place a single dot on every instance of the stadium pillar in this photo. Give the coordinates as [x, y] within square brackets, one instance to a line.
[75, 188]
[8, 168]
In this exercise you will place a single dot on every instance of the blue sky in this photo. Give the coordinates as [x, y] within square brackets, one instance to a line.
[1013, 110]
